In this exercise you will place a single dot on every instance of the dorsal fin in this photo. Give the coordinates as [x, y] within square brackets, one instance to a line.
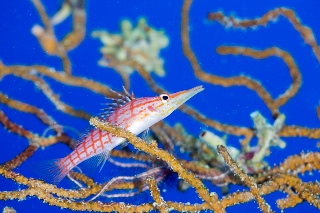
[119, 101]
[106, 112]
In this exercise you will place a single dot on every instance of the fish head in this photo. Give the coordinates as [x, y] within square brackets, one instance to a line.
[148, 111]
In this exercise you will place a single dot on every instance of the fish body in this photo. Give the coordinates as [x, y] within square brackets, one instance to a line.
[134, 115]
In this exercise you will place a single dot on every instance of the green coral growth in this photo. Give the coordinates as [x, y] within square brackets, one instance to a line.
[141, 44]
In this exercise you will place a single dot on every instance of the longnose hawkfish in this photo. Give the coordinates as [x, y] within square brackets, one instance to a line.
[133, 114]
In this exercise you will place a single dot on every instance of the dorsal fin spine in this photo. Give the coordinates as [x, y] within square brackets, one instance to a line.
[116, 102]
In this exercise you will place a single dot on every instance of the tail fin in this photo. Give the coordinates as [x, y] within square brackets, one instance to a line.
[52, 171]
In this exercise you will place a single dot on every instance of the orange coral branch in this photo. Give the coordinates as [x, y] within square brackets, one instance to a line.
[26, 71]
[19, 159]
[249, 181]
[18, 105]
[273, 105]
[305, 32]
[209, 78]
[154, 150]
[47, 38]
[160, 203]
[279, 178]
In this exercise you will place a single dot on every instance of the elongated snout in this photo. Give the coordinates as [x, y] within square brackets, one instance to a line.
[179, 98]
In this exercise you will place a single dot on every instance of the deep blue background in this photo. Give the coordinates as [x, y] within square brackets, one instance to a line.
[228, 105]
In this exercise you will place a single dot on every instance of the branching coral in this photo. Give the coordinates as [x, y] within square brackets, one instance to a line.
[175, 168]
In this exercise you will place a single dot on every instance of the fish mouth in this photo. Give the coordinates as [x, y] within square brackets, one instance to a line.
[197, 89]
[191, 92]
[187, 94]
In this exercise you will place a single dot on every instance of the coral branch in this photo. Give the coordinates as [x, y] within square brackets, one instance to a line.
[249, 181]
[26, 71]
[188, 156]
[273, 105]
[18, 105]
[159, 202]
[19, 159]
[213, 79]
[169, 159]
[305, 32]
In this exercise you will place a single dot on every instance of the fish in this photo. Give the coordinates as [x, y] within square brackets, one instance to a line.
[133, 114]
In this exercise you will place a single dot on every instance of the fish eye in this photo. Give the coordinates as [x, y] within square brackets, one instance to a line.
[164, 98]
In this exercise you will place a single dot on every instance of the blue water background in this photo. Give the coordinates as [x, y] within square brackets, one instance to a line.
[227, 105]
